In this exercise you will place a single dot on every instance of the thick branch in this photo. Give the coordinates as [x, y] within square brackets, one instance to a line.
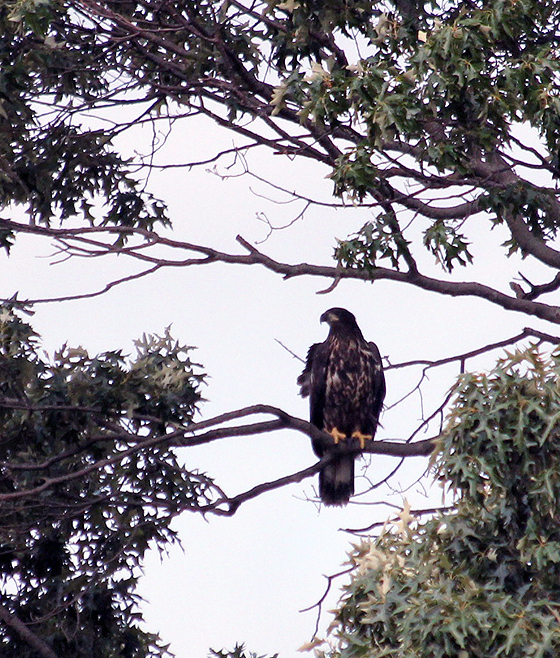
[460, 211]
[36, 643]
[498, 172]
[453, 288]
[530, 243]
[255, 257]
[191, 436]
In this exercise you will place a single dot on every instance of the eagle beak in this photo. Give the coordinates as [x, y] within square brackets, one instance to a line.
[328, 317]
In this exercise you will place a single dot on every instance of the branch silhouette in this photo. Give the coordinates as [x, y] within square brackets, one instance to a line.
[88, 242]
[20, 628]
[200, 433]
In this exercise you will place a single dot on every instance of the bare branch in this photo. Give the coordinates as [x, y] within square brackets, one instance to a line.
[256, 257]
[319, 603]
[289, 351]
[455, 289]
[527, 332]
[232, 504]
[380, 524]
[537, 290]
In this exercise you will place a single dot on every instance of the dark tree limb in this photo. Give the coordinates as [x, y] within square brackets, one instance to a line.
[527, 332]
[452, 288]
[256, 257]
[13, 622]
[191, 436]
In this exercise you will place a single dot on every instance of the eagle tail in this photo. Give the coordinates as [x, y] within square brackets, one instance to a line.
[336, 481]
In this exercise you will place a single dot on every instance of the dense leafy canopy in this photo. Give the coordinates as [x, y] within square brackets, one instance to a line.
[481, 579]
[87, 484]
[401, 101]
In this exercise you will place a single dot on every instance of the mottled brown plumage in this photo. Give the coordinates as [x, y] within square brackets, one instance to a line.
[343, 378]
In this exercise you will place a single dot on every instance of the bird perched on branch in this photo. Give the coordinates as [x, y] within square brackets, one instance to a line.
[344, 380]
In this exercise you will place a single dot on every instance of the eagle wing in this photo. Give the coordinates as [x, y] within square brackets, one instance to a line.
[378, 382]
[313, 383]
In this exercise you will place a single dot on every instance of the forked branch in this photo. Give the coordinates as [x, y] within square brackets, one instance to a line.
[90, 241]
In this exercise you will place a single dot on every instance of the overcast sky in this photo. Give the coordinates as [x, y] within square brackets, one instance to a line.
[245, 578]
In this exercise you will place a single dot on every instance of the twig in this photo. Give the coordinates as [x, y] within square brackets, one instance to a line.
[380, 524]
[527, 332]
[319, 603]
[289, 350]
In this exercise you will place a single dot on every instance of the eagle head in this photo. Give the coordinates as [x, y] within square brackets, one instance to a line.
[339, 318]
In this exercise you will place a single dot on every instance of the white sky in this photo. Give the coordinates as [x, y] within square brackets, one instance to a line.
[245, 578]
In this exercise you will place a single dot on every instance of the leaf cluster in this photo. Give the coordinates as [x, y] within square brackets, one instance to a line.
[482, 579]
[87, 484]
[442, 83]
[52, 164]
[375, 241]
[238, 651]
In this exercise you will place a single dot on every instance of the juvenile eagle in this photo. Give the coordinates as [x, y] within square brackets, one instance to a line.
[343, 378]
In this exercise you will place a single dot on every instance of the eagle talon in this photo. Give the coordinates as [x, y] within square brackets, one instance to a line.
[362, 438]
[337, 435]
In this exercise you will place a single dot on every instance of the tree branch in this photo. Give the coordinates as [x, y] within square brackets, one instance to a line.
[453, 288]
[232, 504]
[256, 257]
[10, 620]
[537, 290]
[498, 172]
[192, 435]
[527, 332]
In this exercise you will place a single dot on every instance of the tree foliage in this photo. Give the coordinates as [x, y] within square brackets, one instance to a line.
[409, 106]
[482, 578]
[86, 489]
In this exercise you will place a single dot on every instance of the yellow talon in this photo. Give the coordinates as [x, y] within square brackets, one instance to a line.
[362, 438]
[336, 435]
